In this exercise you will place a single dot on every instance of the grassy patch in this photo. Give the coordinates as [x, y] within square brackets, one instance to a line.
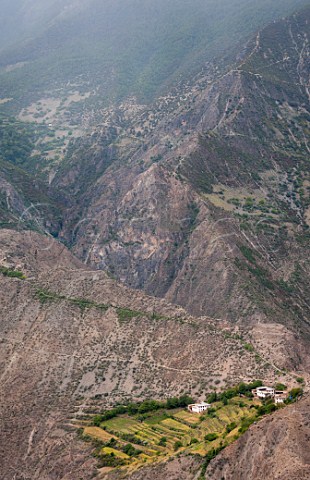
[7, 272]
[125, 314]
[47, 296]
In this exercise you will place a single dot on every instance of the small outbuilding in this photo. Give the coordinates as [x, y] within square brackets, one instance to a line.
[279, 396]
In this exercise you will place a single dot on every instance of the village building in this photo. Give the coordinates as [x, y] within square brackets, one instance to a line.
[268, 392]
[263, 392]
[278, 399]
[279, 396]
[198, 407]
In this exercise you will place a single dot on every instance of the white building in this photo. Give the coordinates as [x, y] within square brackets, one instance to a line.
[279, 396]
[279, 399]
[264, 392]
[198, 407]
[269, 392]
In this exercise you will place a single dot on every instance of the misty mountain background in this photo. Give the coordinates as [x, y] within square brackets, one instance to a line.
[121, 47]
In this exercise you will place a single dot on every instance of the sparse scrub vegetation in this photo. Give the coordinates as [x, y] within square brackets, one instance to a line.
[7, 272]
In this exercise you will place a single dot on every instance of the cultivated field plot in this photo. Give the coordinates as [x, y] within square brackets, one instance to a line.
[129, 442]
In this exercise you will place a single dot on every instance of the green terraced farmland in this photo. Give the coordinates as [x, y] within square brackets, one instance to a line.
[129, 441]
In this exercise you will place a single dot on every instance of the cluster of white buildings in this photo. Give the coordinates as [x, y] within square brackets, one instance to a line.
[259, 392]
[269, 392]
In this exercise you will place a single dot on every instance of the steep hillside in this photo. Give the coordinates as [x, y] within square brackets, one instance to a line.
[187, 221]
[276, 448]
[73, 340]
[209, 205]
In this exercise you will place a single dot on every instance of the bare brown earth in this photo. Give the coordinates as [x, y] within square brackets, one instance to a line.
[276, 448]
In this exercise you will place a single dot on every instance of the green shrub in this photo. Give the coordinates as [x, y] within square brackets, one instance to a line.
[211, 412]
[230, 427]
[294, 394]
[130, 450]
[163, 441]
[266, 409]
[7, 272]
[280, 386]
[248, 347]
[212, 397]
[210, 437]
[246, 423]
[110, 460]
[178, 444]
[193, 440]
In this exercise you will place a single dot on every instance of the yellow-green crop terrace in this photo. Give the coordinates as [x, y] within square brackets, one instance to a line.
[131, 436]
[129, 442]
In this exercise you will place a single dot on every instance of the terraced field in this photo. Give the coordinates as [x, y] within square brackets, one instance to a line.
[129, 442]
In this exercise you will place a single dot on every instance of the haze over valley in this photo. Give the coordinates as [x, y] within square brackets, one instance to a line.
[154, 239]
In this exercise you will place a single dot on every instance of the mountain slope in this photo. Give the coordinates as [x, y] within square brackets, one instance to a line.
[202, 199]
[216, 221]
[276, 448]
[73, 340]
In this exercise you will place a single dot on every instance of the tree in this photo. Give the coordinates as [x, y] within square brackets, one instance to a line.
[212, 397]
[210, 437]
[163, 442]
[280, 386]
[177, 445]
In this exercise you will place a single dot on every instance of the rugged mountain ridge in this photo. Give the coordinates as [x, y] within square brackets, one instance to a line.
[222, 214]
[203, 200]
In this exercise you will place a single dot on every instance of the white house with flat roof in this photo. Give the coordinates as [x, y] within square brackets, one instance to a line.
[268, 392]
[198, 407]
[264, 392]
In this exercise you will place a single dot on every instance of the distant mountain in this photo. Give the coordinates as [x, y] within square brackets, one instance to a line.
[24, 19]
[121, 48]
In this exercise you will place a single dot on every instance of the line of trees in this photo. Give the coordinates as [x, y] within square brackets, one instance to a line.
[143, 407]
[241, 389]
